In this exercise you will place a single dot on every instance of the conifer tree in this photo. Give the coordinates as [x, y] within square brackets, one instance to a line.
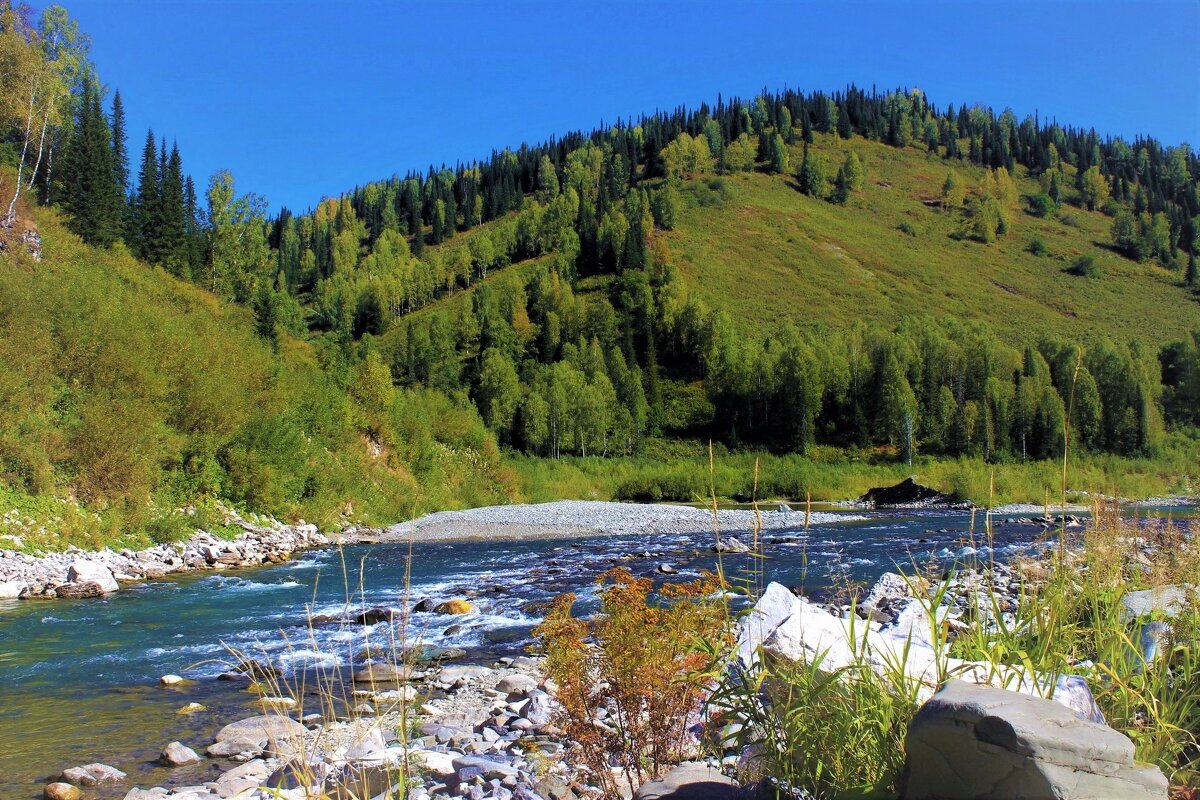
[120, 147]
[148, 203]
[172, 245]
[91, 193]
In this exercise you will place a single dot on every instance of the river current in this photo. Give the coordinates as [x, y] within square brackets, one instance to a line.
[78, 679]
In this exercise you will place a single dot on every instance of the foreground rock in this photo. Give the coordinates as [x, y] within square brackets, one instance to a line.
[92, 775]
[690, 782]
[973, 742]
[787, 628]
[906, 494]
[177, 754]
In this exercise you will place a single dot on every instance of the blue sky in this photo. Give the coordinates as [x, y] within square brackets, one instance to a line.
[303, 99]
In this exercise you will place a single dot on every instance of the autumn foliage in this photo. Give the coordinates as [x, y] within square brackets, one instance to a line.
[631, 680]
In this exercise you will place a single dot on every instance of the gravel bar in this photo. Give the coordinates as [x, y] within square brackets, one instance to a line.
[568, 518]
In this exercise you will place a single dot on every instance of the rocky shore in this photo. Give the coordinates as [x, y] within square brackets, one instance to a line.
[573, 518]
[79, 573]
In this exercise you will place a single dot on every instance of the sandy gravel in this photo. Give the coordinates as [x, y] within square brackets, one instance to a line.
[589, 518]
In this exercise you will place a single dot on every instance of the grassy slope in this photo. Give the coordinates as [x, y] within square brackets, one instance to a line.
[136, 393]
[770, 253]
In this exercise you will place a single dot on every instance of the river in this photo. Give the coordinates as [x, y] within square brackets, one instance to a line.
[78, 679]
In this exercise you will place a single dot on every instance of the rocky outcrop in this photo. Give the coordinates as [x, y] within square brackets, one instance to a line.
[973, 742]
[78, 574]
[906, 494]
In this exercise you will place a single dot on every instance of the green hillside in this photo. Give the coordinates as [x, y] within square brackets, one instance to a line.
[768, 253]
[129, 394]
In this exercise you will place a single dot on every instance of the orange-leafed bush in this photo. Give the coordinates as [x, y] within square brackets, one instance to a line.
[631, 680]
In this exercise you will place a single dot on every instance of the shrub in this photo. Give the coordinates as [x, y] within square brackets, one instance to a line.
[1040, 205]
[1085, 267]
[645, 662]
[1037, 246]
[907, 229]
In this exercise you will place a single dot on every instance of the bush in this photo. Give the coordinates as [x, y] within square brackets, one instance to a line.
[1085, 267]
[647, 662]
[907, 229]
[1040, 205]
[1037, 246]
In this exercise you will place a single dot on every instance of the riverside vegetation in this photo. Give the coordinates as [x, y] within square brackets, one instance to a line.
[426, 341]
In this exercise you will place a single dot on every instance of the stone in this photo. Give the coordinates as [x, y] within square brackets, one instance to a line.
[92, 775]
[730, 544]
[79, 591]
[454, 607]
[1166, 601]
[776, 605]
[475, 765]
[538, 709]
[275, 733]
[366, 744]
[237, 780]
[449, 675]
[61, 791]
[156, 793]
[192, 708]
[667, 569]
[973, 741]
[439, 764]
[11, 590]
[177, 754]
[692, 781]
[170, 680]
[84, 571]
[516, 684]
[234, 747]
[382, 673]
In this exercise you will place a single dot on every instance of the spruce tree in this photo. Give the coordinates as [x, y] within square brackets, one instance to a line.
[120, 148]
[173, 210]
[91, 193]
[148, 204]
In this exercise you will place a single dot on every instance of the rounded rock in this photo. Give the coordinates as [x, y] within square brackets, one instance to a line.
[61, 791]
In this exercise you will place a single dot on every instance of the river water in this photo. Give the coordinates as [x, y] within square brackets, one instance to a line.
[78, 679]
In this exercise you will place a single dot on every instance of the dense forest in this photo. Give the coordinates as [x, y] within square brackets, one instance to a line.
[596, 346]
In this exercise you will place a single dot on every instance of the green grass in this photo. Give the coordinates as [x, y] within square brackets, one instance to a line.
[679, 471]
[769, 254]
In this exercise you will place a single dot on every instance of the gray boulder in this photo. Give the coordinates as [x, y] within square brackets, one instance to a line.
[690, 782]
[278, 734]
[517, 684]
[1167, 601]
[971, 742]
[92, 775]
[84, 571]
[177, 754]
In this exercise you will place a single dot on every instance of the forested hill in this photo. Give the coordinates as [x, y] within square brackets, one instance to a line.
[857, 270]
[853, 269]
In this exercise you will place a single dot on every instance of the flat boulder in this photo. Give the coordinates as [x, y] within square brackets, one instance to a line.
[971, 742]
[92, 775]
[517, 684]
[690, 782]
[382, 673]
[83, 570]
[906, 494]
[273, 732]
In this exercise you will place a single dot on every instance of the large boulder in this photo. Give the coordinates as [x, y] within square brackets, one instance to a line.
[690, 782]
[1166, 601]
[973, 742]
[905, 494]
[810, 632]
[11, 590]
[84, 571]
[271, 732]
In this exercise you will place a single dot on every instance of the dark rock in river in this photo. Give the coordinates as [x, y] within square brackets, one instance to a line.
[906, 494]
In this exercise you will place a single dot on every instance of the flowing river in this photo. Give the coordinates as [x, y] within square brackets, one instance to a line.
[78, 679]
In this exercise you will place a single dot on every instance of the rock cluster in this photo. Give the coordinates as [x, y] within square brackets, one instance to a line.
[485, 732]
[77, 573]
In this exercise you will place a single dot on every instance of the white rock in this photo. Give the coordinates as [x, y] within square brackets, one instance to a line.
[177, 754]
[83, 570]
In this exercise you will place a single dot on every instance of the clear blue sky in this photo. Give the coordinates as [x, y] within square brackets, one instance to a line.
[303, 100]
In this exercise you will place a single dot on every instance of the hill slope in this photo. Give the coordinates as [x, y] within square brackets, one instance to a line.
[768, 253]
[129, 394]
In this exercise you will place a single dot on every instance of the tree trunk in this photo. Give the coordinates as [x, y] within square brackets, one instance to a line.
[12, 206]
[41, 145]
